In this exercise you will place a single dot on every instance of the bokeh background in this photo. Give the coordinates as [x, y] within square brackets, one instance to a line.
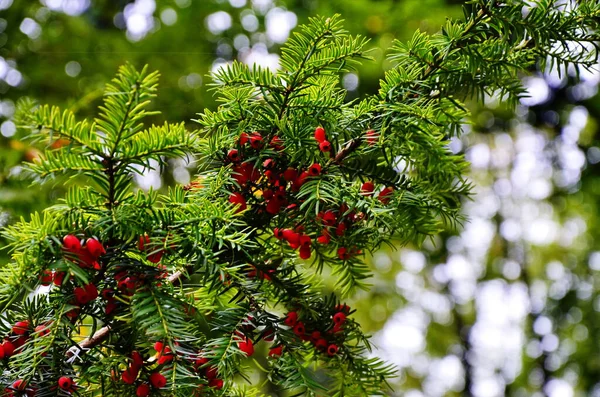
[508, 305]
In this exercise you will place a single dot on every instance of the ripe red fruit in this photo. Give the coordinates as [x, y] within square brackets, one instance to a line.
[305, 241]
[58, 278]
[314, 170]
[343, 253]
[136, 359]
[268, 335]
[46, 277]
[299, 181]
[367, 188]
[211, 372]
[200, 362]
[9, 348]
[278, 233]
[328, 218]
[290, 174]
[372, 137]
[237, 198]
[128, 376]
[1, 352]
[321, 344]
[158, 380]
[71, 243]
[19, 385]
[385, 195]
[246, 346]
[216, 383]
[324, 238]
[65, 383]
[276, 351]
[299, 329]
[315, 336]
[165, 356]
[256, 140]
[42, 330]
[291, 319]
[95, 247]
[339, 318]
[291, 236]
[91, 291]
[268, 164]
[305, 252]
[158, 346]
[273, 207]
[332, 349]
[243, 138]
[340, 229]
[276, 143]
[20, 327]
[320, 135]
[233, 155]
[143, 390]
[325, 146]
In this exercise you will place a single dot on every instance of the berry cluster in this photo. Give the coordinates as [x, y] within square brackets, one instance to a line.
[268, 183]
[152, 380]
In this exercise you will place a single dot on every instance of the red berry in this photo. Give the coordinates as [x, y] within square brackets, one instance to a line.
[343, 253]
[325, 146]
[20, 327]
[385, 195]
[305, 252]
[233, 155]
[136, 359]
[238, 199]
[372, 137]
[328, 218]
[71, 243]
[42, 330]
[305, 241]
[200, 362]
[273, 207]
[324, 238]
[1, 352]
[9, 348]
[340, 229]
[291, 319]
[243, 138]
[65, 383]
[211, 372]
[58, 278]
[158, 346]
[299, 329]
[314, 170]
[91, 291]
[143, 390]
[143, 240]
[278, 233]
[315, 336]
[276, 143]
[95, 248]
[158, 380]
[268, 335]
[268, 164]
[46, 277]
[320, 135]
[339, 318]
[276, 351]
[128, 376]
[332, 349]
[299, 181]
[290, 174]
[291, 236]
[216, 383]
[19, 384]
[367, 188]
[256, 140]
[246, 346]
[321, 344]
